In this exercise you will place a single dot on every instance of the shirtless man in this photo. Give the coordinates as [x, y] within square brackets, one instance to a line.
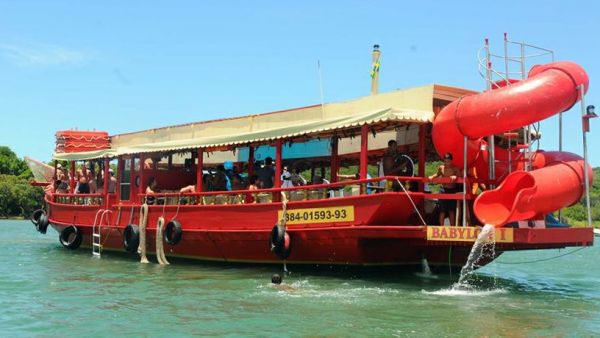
[447, 207]
[390, 167]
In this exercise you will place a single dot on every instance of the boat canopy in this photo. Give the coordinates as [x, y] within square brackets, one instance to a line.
[413, 105]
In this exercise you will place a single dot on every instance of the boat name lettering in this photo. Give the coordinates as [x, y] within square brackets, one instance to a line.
[319, 215]
[466, 234]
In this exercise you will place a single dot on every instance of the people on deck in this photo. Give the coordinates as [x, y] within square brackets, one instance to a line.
[220, 180]
[391, 167]
[99, 183]
[447, 207]
[112, 184]
[286, 178]
[83, 186]
[266, 174]
[297, 179]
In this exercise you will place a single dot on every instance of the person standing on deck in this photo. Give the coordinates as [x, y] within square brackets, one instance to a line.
[266, 175]
[390, 165]
[286, 178]
[447, 207]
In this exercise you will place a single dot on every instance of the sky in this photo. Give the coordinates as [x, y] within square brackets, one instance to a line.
[123, 66]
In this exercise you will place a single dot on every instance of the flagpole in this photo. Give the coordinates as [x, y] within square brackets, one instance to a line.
[375, 70]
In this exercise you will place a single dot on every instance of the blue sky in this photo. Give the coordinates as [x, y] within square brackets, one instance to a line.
[129, 65]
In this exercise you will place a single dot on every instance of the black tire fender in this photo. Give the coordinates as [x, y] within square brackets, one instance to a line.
[70, 237]
[279, 242]
[131, 238]
[173, 232]
[35, 216]
[42, 225]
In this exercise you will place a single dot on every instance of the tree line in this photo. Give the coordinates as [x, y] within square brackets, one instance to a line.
[18, 198]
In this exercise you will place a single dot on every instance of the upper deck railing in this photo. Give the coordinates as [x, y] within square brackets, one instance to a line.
[343, 189]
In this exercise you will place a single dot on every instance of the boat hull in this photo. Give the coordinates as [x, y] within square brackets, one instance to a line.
[379, 234]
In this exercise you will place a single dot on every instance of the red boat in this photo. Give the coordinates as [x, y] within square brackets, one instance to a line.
[382, 221]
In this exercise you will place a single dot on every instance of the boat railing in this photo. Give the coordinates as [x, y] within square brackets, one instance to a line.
[79, 199]
[349, 188]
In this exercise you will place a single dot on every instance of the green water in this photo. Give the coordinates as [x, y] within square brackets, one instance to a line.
[46, 290]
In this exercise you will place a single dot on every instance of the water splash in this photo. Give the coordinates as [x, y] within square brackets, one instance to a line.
[425, 270]
[484, 246]
[461, 292]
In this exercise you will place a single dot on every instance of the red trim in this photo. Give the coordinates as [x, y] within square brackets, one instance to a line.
[364, 151]
[278, 164]
[199, 170]
[335, 161]
[72, 181]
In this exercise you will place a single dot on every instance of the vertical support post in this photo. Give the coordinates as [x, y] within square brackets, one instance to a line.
[199, 169]
[106, 175]
[72, 181]
[464, 199]
[364, 151]
[334, 159]
[491, 143]
[55, 176]
[506, 67]
[250, 161]
[120, 169]
[278, 163]
[105, 181]
[585, 159]
[142, 178]
[422, 155]
[132, 179]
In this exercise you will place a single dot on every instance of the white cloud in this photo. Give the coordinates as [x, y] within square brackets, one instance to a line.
[42, 54]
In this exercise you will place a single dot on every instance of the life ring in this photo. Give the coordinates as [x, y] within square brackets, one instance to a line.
[131, 238]
[279, 242]
[408, 163]
[173, 232]
[70, 237]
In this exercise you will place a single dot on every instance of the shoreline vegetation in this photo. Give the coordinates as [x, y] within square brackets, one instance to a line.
[18, 199]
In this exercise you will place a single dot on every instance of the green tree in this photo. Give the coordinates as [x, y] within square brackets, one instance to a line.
[10, 164]
[576, 214]
[17, 196]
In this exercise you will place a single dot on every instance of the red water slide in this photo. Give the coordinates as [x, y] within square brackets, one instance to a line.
[557, 178]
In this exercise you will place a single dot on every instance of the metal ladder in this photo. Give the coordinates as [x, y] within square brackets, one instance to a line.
[516, 55]
[96, 235]
[96, 231]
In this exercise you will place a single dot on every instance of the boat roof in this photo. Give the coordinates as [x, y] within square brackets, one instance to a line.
[413, 105]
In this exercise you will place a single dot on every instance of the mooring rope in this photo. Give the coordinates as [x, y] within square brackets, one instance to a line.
[160, 250]
[131, 215]
[143, 223]
[284, 201]
[178, 204]
[411, 201]
[543, 259]
[282, 222]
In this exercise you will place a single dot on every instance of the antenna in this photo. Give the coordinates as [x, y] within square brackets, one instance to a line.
[321, 88]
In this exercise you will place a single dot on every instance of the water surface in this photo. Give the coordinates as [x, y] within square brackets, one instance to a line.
[46, 290]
